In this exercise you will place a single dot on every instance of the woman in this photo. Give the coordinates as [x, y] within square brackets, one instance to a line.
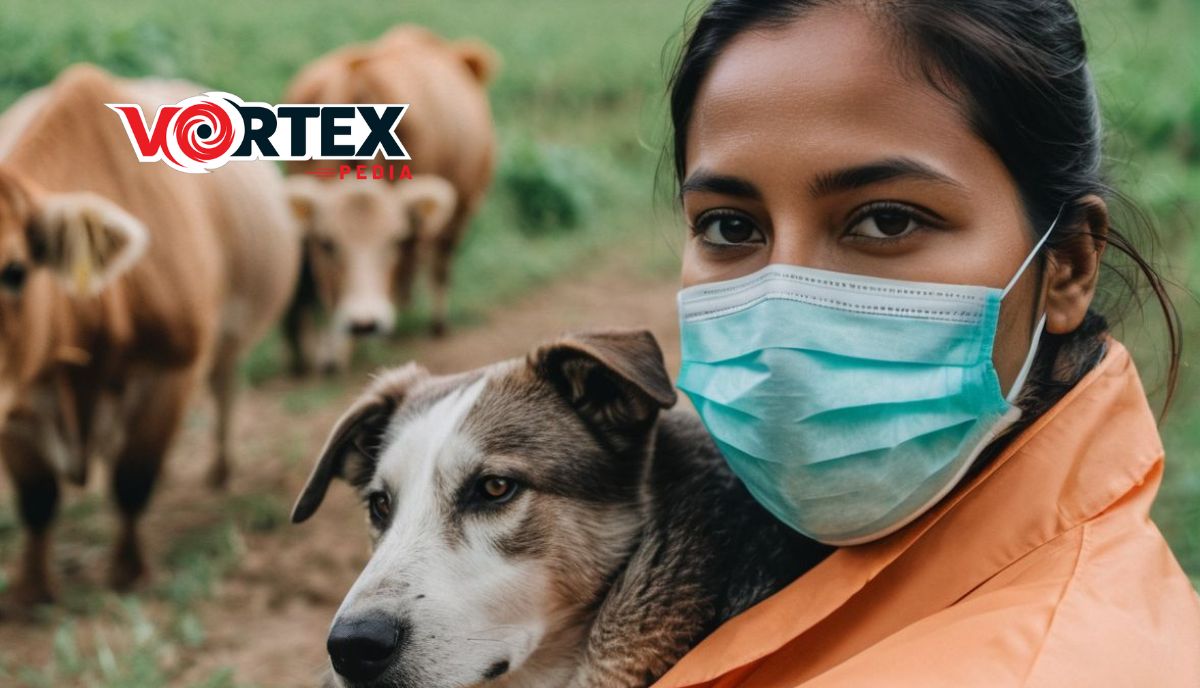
[897, 217]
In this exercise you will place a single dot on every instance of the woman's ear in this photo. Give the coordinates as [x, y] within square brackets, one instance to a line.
[1073, 266]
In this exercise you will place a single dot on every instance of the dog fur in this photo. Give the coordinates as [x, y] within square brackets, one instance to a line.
[625, 541]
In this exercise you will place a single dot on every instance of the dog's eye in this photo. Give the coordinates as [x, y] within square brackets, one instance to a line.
[495, 489]
[380, 507]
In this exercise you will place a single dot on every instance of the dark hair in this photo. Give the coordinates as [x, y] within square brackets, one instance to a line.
[1018, 70]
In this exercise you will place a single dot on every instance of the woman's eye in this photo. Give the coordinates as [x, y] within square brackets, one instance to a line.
[496, 490]
[728, 230]
[380, 507]
[884, 224]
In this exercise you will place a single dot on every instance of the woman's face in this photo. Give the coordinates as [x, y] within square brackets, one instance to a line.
[815, 145]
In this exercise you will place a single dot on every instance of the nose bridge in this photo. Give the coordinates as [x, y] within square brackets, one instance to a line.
[367, 294]
[799, 240]
[405, 555]
[365, 274]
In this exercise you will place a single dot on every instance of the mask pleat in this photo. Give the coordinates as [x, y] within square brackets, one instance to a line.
[866, 489]
[860, 382]
[781, 323]
[830, 436]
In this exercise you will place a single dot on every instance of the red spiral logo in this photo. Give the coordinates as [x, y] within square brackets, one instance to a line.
[203, 131]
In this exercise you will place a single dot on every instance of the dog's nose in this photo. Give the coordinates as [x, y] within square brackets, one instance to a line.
[361, 648]
[363, 328]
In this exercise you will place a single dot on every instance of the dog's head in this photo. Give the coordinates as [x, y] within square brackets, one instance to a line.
[502, 501]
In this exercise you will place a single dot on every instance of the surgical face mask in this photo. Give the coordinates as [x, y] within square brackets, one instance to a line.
[847, 405]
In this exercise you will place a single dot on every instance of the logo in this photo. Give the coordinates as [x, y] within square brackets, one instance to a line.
[200, 134]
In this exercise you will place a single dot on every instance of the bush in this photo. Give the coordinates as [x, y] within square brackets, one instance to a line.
[548, 186]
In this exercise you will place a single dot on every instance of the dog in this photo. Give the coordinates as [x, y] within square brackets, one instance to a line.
[541, 522]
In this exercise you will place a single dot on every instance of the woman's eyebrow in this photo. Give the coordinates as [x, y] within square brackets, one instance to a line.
[703, 180]
[872, 173]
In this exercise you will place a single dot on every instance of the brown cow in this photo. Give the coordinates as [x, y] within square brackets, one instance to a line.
[356, 235]
[122, 285]
[447, 130]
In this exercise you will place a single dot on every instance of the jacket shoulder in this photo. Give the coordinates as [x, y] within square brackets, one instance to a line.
[1102, 604]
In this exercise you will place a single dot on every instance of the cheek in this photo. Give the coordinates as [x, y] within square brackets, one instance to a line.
[701, 266]
[1018, 318]
[327, 273]
[494, 582]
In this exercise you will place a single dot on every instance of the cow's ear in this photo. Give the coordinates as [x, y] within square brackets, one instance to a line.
[615, 380]
[479, 57]
[85, 239]
[430, 202]
[352, 449]
[303, 195]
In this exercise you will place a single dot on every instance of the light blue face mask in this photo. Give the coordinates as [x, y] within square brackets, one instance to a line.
[848, 405]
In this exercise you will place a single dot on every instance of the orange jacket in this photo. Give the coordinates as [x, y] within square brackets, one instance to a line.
[1044, 570]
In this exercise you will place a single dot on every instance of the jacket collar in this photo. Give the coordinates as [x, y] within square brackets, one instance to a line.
[1098, 443]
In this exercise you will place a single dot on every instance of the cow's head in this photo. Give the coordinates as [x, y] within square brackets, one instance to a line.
[359, 237]
[80, 240]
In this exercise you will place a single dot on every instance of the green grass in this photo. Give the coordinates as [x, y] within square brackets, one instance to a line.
[103, 640]
[139, 653]
[1147, 67]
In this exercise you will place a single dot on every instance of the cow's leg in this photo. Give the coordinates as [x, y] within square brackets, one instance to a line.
[222, 380]
[406, 272]
[154, 417]
[443, 255]
[37, 502]
[297, 335]
[300, 320]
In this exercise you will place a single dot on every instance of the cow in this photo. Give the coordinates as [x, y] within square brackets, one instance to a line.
[123, 286]
[448, 132]
[359, 237]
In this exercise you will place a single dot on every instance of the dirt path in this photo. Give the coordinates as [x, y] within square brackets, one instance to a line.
[268, 612]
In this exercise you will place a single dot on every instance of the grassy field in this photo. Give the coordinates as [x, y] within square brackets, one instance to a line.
[579, 109]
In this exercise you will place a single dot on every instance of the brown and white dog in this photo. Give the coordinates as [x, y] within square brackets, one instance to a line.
[536, 523]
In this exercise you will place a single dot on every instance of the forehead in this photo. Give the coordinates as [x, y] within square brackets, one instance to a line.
[426, 430]
[831, 86]
[503, 419]
[362, 209]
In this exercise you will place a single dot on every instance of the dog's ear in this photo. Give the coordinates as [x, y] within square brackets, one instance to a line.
[615, 380]
[350, 451]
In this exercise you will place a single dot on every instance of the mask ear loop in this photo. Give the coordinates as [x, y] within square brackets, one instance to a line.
[1037, 332]
[1029, 258]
